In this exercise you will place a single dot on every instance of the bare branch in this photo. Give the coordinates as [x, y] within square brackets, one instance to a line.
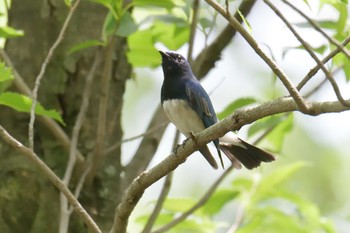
[52, 125]
[64, 213]
[102, 111]
[315, 69]
[233, 122]
[29, 153]
[193, 29]
[149, 131]
[310, 51]
[238, 220]
[199, 204]
[42, 72]
[319, 29]
[301, 103]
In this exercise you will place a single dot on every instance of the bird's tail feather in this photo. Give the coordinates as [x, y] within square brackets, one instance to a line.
[208, 156]
[245, 153]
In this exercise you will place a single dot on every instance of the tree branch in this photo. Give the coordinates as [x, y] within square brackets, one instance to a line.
[199, 204]
[51, 176]
[233, 122]
[316, 68]
[163, 194]
[310, 51]
[207, 58]
[42, 72]
[64, 213]
[50, 124]
[319, 29]
[301, 103]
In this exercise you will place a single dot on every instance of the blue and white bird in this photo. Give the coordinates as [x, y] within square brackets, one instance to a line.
[189, 108]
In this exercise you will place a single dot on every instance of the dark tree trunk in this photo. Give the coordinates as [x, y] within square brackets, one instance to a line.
[28, 201]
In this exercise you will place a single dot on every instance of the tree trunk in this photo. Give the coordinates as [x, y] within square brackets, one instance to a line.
[28, 201]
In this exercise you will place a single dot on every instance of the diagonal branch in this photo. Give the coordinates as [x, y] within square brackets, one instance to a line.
[301, 103]
[64, 213]
[199, 204]
[319, 29]
[52, 125]
[29, 153]
[315, 69]
[311, 52]
[233, 122]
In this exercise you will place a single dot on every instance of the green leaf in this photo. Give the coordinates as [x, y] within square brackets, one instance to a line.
[171, 35]
[85, 45]
[167, 4]
[206, 23]
[218, 200]
[239, 103]
[278, 134]
[178, 204]
[271, 181]
[9, 32]
[23, 103]
[141, 51]
[245, 21]
[265, 124]
[68, 2]
[5, 73]
[109, 25]
[127, 25]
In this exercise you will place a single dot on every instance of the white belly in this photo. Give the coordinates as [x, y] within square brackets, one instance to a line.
[183, 116]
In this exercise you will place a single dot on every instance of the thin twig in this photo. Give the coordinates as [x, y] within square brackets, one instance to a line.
[318, 86]
[311, 52]
[319, 29]
[238, 220]
[301, 103]
[195, 8]
[316, 68]
[158, 207]
[64, 213]
[109, 50]
[199, 204]
[29, 153]
[163, 194]
[150, 131]
[42, 72]
[52, 125]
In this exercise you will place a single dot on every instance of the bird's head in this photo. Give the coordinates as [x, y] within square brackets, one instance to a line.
[174, 64]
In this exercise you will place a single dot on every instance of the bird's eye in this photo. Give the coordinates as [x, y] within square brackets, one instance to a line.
[179, 58]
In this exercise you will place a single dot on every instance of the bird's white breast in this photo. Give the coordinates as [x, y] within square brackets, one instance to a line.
[183, 116]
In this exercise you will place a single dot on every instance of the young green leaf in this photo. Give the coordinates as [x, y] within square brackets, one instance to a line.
[280, 131]
[167, 4]
[245, 21]
[141, 51]
[23, 103]
[271, 181]
[126, 25]
[218, 200]
[85, 45]
[264, 124]
[9, 32]
[239, 103]
[68, 2]
[5, 73]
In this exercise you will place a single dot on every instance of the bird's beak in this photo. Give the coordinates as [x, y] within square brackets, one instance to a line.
[164, 54]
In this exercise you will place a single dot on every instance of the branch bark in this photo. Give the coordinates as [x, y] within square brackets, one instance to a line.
[233, 122]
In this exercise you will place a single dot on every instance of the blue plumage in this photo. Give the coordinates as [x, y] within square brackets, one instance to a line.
[189, 108]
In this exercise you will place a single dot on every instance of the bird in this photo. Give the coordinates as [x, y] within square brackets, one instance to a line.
[188, 106]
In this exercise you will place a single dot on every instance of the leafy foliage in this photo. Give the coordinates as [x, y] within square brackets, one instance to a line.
[23, 103]
[267, 206]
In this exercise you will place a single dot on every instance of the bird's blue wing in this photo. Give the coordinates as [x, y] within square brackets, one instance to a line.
[199, 100]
